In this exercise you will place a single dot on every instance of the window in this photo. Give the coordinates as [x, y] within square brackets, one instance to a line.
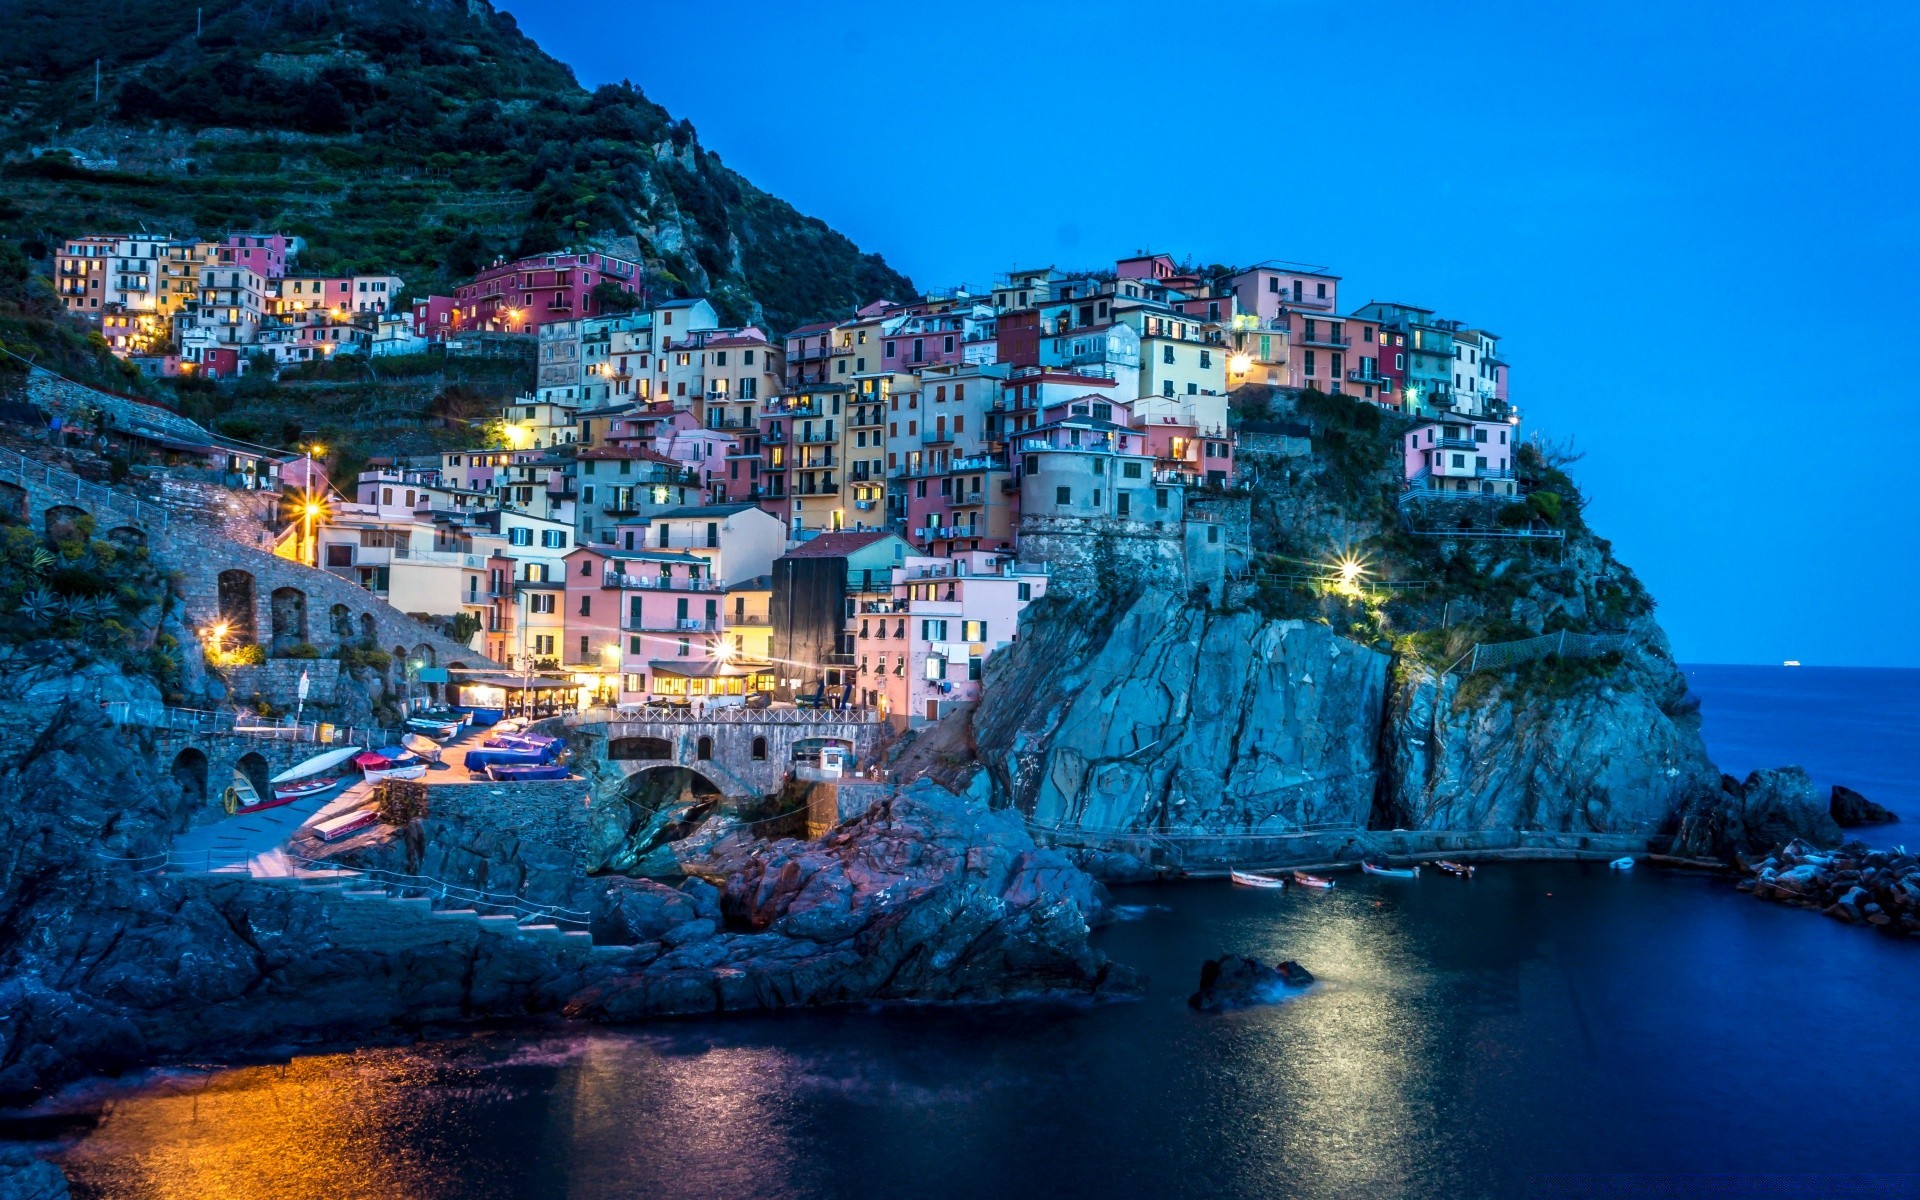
[1024, 591]
[540, 602]
[520, 535]
[553, 538]
[1166, 354]
[759, 751]
[703, 748]
[933, 631]
[585, 654]
[1206, 358]
[713, 533]
[586, 606]
[1063, 495]
[685, 648]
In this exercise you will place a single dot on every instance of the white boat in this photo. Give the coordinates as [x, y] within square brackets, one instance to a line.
[425, 747]
[1312, 881]
[316, 764]
[1621, 864]
[1394, 872]
[1254, 879]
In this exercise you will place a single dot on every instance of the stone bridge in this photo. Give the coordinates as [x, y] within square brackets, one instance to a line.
[203, 763]
[263, 598]
[744, 753]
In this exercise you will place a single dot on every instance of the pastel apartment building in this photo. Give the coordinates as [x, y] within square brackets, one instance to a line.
[522, 295]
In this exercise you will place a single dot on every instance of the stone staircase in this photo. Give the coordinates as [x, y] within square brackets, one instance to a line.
[362, 916]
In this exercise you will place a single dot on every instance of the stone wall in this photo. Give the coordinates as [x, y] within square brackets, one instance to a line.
[551, 813]
[281, 678]
[1079, 551]
[745, 758]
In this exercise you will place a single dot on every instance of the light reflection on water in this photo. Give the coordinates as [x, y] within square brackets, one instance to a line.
[1463, 1035]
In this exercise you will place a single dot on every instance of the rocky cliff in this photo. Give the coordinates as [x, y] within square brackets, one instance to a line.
[1166, 716]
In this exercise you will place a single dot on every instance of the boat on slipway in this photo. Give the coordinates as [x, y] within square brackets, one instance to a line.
[308, 778]
[1311, 881]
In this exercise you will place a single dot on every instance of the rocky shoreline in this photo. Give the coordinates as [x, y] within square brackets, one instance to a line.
[1853, 883]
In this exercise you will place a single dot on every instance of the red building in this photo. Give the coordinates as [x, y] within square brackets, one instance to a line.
[523, 295]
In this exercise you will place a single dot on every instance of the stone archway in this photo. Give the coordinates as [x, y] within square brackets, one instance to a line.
[13, 503]
[254, 766]
[640, 749]
[190, 772]
[127, 537]
[340, 621]
[367, 631]
[237, 606]
[288, 607]
[64, 523]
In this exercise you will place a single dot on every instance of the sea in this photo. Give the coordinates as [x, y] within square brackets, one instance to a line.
[1539, 1030]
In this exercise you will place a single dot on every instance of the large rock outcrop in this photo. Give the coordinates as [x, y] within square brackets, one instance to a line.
[1768, 809]
[926, 896]
[1167, 716]
[1611, 755]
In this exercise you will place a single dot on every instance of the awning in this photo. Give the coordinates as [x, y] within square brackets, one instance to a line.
[515, 682]
[708, 669]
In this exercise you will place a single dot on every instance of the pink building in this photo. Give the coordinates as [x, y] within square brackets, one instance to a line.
[433, 317]
[523, 295]
[1184, 454]
[1462, 455]
[264, 253]
[922, 651]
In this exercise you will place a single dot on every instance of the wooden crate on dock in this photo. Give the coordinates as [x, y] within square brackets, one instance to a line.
[400, 800]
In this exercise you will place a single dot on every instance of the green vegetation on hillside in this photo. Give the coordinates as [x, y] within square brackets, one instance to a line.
[419, 136]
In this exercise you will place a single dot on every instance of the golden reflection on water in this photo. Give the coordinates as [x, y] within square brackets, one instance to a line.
[331, 1125]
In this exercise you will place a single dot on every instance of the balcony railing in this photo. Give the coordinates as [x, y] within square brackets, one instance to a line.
[1361, 375]
[658, 583]
[1336, 340]
[936, 437]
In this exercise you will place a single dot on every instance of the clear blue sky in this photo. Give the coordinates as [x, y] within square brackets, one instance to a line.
[1697, 226]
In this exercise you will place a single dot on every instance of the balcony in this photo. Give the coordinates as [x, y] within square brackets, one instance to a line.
[1335, 340]
[1360, 375]
[657, 583]
[970, 500]
[817, 436]
[936, 437]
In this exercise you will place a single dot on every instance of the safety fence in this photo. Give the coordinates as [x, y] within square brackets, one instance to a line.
[731, 715]
[234, 724]
[55, 484]
[1499, 656]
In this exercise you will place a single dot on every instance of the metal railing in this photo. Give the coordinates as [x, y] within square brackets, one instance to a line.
[1498, 656]
[66, 485]
[434, 888]
[235, 724]
[732, 714]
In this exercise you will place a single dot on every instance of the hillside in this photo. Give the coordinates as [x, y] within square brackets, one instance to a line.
[418, 136]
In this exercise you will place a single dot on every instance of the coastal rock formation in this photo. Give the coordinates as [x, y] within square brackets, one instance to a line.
[926, 896]
[1619, 756]
[1854, 883]
[1236, 981]
[1849, 809]
[1769, 808]
[1168, 716]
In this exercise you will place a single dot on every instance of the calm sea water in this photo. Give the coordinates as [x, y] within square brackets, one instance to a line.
[1856, 726]
[1477, 1038]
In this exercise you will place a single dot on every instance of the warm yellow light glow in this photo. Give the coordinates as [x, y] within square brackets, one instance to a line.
[313, 510]
[722, 653]
[218, 633]
[1240, 363]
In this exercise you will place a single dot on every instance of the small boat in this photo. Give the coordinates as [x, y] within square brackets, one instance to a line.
[1312, 881]
[433, 727]
[1255, 879]
[1393, 872]
[423, 748]
[242, 797]
[335, 828]
[391, 762]
[520, 741]
[306, 779]
[523, 772]
[1621, 864]
[1463, 870]
[313, 786]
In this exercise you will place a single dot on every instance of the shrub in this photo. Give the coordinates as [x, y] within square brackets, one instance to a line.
[301, 650]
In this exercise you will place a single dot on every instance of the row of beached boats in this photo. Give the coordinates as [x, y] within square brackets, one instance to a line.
[1263, 879]
[507, 754]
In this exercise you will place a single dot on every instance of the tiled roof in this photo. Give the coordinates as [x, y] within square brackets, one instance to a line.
[837, 545]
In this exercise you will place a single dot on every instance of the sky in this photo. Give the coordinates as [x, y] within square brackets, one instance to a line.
[1687, 221]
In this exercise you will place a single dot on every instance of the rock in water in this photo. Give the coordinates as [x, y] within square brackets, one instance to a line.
[1235, 981]
[1769, 808]
[1849, 808]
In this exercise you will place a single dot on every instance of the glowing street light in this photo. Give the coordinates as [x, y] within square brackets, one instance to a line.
[1240, 363]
